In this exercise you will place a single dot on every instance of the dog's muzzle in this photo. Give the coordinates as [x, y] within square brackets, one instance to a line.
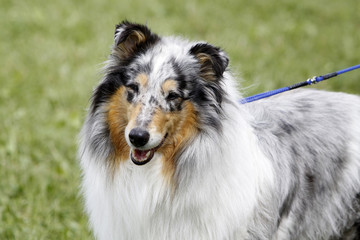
[139, 137]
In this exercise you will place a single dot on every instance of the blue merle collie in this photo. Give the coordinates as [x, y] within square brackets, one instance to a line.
[168, 152]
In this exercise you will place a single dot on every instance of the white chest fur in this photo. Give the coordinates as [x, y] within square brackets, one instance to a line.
[213, 199]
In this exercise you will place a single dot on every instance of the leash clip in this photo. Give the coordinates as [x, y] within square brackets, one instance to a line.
[312, 80]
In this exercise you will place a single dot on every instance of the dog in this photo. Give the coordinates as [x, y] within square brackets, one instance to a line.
[168, 152]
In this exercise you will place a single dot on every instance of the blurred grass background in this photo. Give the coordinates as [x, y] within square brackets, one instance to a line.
[50, 55]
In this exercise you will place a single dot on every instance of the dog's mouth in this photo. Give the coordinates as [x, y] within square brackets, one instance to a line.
[141, 157]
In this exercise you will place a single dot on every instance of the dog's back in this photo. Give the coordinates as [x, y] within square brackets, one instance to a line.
[313, 139]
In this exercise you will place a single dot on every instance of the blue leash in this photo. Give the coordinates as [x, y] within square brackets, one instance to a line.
[310, 81]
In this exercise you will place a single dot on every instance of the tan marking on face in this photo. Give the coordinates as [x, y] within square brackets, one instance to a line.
[169, 85]
[132, 113]
[142, 79]
[117, 119]
[181, 127]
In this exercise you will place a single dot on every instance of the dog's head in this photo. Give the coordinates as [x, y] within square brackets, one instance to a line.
[158, 94]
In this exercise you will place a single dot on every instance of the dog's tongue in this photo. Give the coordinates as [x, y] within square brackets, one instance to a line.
[141, 156]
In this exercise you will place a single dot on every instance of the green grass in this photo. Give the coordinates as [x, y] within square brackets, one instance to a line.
[50, 55]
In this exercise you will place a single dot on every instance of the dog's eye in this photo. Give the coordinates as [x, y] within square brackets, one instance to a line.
[133, 87]
[172, 96]
[131, 90]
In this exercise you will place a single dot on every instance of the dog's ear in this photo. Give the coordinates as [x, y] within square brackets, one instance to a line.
[132, 38]
[213, 61]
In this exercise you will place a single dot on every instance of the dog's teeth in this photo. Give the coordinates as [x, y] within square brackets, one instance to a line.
[141, 155]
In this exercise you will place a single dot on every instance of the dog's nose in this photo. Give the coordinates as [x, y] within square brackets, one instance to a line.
[139, 137]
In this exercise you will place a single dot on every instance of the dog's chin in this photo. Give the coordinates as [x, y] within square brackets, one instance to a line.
[141, 157]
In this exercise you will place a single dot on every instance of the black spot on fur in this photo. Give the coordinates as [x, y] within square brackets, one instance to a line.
[180, 75]
[310, 183]
[153, 100]
[305, 105]
[286, 127]
[310, 178]
[358, 197]
[294, 152]
[287, 204]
